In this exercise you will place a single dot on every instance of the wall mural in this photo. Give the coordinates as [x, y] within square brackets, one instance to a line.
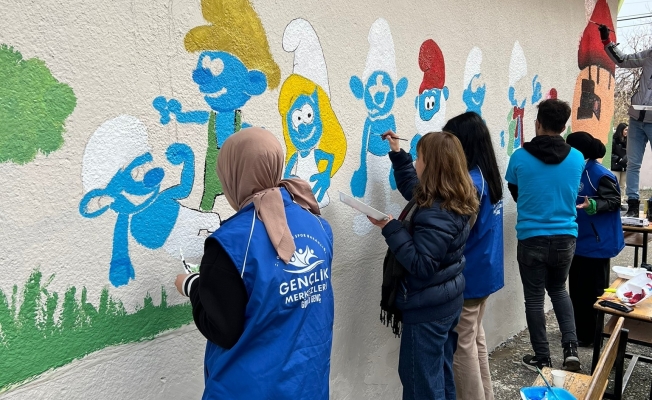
[430, 104]
[518, 94]
[34, 106]
[474, 88]
[117, 174]
[314, 138]
[41, 329]
[234, 64]
[379, 87]
[593, 98]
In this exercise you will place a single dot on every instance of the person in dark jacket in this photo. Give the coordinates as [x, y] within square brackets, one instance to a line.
[427, 243]
[263, 297]
[599, 236]
[619, 160]
[484, 272]
[544, 178]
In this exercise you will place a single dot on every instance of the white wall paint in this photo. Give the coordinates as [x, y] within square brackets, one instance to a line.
[118, 56]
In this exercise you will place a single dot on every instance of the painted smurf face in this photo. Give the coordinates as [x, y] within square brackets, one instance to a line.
[304, 122]
[474, 93]
[136, 186]
[429, 103]
[379, 94]
[226, 81]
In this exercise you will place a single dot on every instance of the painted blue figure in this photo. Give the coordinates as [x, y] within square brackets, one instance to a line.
[474, 99]
[227, 85]
[379, 94]
[151, 221]
[305, 127]
[517, 114]
[431, 110]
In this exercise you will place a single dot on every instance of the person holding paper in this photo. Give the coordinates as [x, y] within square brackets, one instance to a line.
[640, 119]
[423, 285]
[263, 297]
[484, 272]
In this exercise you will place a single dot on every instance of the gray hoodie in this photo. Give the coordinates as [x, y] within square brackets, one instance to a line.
[643, 94]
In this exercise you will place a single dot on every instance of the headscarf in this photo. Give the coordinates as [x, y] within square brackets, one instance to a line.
[250, 167]
[589, 146]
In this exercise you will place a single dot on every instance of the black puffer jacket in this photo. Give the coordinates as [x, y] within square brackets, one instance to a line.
[619, 154]
[433, 254]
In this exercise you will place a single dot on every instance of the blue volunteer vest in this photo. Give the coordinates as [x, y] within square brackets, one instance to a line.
[284, 351]
[484, 271]
[599, 235]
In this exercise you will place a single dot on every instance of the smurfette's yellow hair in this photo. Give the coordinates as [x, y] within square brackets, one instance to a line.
[332, 140]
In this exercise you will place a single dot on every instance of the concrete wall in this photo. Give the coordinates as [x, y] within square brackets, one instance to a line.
[108, 120]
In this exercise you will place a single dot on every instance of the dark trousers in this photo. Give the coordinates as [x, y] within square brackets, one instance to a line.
[425, 363]
[544, 262]
[587, 280]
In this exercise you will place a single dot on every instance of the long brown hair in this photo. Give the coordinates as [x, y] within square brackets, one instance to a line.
[445, 176]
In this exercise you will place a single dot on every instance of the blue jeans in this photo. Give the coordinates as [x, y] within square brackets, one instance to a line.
[640, 133]
[425, 363]
[544, 262]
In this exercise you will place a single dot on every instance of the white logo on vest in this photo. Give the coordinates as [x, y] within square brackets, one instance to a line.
[301, 259]
[305, 289]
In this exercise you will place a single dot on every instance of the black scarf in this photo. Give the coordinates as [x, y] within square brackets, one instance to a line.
[393, 273]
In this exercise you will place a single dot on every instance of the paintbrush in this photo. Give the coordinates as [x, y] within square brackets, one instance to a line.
[547, 384]
[393, 137]
[601, 25]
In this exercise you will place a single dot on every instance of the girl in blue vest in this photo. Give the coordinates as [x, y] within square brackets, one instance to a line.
[599, 236]
[423, 284]
[263, 296]
[484, 257]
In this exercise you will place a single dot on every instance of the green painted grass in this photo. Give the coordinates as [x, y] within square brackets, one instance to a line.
[33, 341]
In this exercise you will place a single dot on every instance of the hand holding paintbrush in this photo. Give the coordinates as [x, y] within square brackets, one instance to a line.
[393, 140]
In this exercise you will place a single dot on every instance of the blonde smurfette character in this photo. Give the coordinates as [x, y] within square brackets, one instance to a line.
[313, 136]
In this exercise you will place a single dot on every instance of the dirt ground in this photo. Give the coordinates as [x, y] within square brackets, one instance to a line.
[509, 375]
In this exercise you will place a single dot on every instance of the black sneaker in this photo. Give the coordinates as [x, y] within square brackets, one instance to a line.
[534, 362]
[571, 359]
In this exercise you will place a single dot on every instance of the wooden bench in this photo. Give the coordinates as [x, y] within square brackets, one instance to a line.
[593, 387]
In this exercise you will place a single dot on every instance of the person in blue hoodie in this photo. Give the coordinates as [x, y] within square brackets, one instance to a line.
[543, 178]
[599, 236]
[263, 296]
[423, 285]
[484, 271]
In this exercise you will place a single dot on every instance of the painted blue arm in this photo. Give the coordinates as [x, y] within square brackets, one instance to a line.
[359, 179]
[173, 106]
[536, 90]
[323, 179]
[290, 165]
[177, 154]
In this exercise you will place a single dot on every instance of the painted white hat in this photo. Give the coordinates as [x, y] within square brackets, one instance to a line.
[112, 147]
[300, 37]
[517, 65]
[473, 64]
[381, 56]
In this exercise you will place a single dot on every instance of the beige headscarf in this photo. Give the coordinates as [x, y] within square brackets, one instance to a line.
[250, 167]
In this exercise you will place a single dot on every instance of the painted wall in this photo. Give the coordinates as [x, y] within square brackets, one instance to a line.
[111, 120]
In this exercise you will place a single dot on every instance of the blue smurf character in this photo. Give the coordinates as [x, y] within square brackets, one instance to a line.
[227, 84]
[142, 208]
[430, 104]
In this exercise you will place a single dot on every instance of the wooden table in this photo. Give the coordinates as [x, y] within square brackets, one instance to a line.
[639, 323]
[630, 231]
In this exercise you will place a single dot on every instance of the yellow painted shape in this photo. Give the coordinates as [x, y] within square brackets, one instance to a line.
[604, 88]
[620, 4]
[236, 29]
[332, 140]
